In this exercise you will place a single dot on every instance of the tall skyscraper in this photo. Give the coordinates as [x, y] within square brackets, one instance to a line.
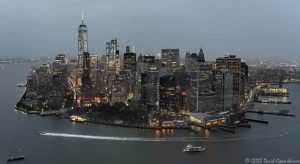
[170, 58]
[82, 41]
[86, 99]
[200, 94]
[130, 69]
[112, 56]
[224, 89]
[129, 60]
[43, 77]
[147, 60]
[244, 80]
[233, 64]
[187, 62]
[138, 78]
[201, 56]
[93, 67]
[120, 88]
[60, 74]
[150, 87]
[192, 61]
[59, 81]
[86, 77]
[169, 100]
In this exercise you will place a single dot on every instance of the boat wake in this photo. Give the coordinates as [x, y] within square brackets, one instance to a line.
[169, 139]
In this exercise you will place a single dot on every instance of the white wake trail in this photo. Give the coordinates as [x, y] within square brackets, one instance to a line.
[145, 139]
[101, 137]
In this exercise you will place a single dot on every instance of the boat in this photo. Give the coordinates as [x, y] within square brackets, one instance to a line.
[42, 133]
[191, 148]
[21, 85]
[16, 158]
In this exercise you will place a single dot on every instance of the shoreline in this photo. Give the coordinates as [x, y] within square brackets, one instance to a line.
[62, 113]
[97, 122]
[26, 111]
[59, 113]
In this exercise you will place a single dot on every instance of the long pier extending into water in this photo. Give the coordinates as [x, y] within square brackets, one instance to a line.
[281, 112]
[272, 102]
[255, 120]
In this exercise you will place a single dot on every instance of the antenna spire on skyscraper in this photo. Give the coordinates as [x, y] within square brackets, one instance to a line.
[82, 17]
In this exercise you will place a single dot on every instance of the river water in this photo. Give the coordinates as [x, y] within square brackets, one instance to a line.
[68, 142]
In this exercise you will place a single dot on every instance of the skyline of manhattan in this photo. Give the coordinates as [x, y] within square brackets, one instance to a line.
[163, 31]
[141, 81]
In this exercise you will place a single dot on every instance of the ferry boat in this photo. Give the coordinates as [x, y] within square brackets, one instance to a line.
[16, 158]
[191, 148]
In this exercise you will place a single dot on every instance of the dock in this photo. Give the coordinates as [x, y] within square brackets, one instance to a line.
[272, 102]
[259, 121]
[281, 112]
[244, 125]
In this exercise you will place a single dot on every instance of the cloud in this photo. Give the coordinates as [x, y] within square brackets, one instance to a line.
[246, 28]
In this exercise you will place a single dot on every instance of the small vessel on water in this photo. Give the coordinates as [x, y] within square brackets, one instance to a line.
[21, 85]
[16, 158]
[191, 148]
[42, 133]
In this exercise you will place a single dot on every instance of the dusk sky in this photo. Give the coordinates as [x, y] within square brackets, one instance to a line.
[247, 28]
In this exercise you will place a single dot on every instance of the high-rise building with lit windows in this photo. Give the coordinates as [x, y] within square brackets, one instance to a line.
[129, 60]
[82, 41]
[86, 75]
[130, 69]
[200, 94]
[233, 64]
[93, 66]
[224, 89]
[112, 56]
[169, 97]
[170, 58]
[150, 87]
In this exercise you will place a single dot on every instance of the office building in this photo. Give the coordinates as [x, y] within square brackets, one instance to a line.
[170, 58]
[201, 96]
[150, 87]
[224, 89]
[233, 64]
[169, 97]
[112, 57]
[93, 67]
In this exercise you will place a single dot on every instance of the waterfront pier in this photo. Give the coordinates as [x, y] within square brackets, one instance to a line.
[280, 113]
[259, 121]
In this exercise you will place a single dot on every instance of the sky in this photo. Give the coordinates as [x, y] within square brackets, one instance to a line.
[246, 28]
